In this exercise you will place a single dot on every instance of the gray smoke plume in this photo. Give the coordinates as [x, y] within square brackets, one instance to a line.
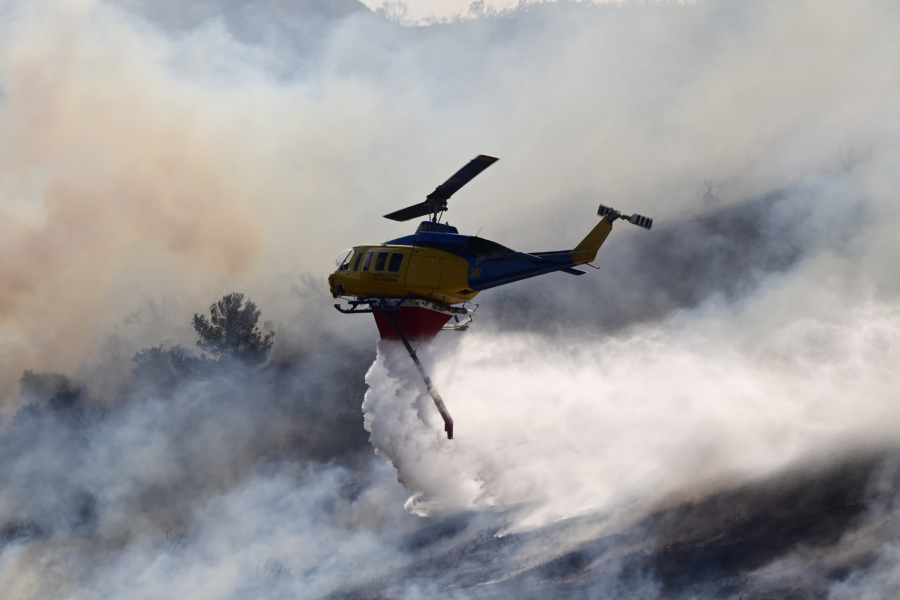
[712, 414]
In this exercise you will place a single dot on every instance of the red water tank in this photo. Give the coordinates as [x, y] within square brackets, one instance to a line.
[417, 323]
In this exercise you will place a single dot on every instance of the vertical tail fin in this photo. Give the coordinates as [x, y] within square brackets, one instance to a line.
[586, 251]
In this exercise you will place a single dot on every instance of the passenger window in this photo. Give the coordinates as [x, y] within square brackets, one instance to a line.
[380, 260]
[396, 261]
[368, 261]
[356, 264]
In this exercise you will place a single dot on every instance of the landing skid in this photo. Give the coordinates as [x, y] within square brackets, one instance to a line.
[458, 325]
[435, 395]
[371, 306]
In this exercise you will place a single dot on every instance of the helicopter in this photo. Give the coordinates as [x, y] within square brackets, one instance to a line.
[415, 284]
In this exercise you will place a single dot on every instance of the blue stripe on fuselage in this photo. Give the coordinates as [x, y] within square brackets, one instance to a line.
[453, 243]
[515, 267]
[490, 264]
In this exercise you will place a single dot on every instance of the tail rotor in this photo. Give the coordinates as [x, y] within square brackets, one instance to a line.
[612, 214]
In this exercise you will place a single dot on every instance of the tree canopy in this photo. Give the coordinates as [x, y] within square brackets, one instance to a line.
[164, 367]
[231, 330]
[58, 390]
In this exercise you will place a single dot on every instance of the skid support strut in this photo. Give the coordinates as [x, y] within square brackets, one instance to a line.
[438, 401]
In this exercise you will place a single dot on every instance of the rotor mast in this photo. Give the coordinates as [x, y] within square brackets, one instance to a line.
[436, 206]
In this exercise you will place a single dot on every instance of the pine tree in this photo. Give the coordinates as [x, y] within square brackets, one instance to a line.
[231, 330]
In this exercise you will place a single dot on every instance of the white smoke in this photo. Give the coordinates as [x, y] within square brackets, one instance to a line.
[797, 364]
[698, 402]
[146, 155]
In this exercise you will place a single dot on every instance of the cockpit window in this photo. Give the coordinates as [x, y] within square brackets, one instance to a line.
[396, 261]
[380, 260]
[343, 259]
[368, 261]
[356, 264]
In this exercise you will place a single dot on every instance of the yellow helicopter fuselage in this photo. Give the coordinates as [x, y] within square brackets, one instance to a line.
[409, 284]
[394, 271]
[438, 264]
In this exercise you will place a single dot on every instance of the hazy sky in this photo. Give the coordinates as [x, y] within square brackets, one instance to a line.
[155, 155]
[422, 9]
[166, 154]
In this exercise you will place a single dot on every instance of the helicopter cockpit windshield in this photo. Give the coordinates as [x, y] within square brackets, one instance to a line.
[343, 259]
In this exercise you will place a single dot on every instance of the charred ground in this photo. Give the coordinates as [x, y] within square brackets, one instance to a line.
[722, 545]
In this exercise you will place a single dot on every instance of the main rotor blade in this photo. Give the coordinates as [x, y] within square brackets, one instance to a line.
[437, 200]
[461, 178]
[410, 212]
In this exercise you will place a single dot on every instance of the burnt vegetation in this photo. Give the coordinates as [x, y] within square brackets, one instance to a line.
[314, 398]
[249, 414]
[220, 415]
[722, 545]
[231, 332]
[230, 335]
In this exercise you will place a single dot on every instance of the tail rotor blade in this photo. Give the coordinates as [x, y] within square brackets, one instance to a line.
[640, 221]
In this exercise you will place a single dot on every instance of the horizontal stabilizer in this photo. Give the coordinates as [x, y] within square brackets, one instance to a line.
[573, 271]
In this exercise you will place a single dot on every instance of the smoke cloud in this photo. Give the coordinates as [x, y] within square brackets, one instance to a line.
[712, 414]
